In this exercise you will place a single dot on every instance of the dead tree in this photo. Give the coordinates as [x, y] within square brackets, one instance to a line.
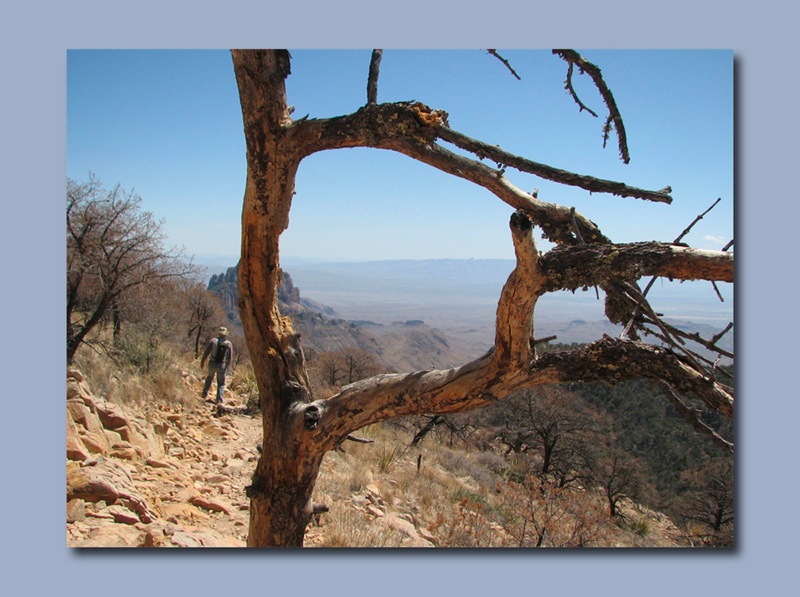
[300, 428]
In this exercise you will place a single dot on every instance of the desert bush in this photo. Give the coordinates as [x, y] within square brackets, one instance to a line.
[146, 352]
[386, 458]
[166, 386]
[245, 385]
[467, 525]
[478, 466]
[359, 478]
[540, 514]
[98, 370]
[638, 526]
[129, 390]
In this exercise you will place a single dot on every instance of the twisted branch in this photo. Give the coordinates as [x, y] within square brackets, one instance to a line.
[693, 417]
[670, 333]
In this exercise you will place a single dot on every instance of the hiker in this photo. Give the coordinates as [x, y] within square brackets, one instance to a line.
[221, 352]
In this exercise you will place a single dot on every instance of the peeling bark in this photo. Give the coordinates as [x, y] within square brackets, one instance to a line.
[573, 267]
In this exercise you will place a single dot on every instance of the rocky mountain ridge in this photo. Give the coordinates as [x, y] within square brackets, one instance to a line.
[401, 346]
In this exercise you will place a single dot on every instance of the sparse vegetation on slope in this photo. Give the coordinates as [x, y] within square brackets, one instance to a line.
[454, 488]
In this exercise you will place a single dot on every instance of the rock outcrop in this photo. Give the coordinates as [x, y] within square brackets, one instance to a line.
[225, 286]
[403, 346]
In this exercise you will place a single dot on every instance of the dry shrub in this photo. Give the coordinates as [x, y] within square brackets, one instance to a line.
[468, 524]
[98, 371]
[482, 467]
[359, 478]
[167, 387]
[131, 390]
[341, 475]
[347, 527]
[539, 514]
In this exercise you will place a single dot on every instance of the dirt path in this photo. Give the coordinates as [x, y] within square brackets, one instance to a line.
[216, 456]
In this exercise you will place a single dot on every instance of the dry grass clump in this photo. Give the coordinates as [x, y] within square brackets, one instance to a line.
[348, 527]
[167, 386]
[99, 371]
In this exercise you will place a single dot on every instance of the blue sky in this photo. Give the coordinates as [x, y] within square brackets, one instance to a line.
[167, 124]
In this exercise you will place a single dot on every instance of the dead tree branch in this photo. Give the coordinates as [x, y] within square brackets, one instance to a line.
[372, 81]
[697, 219]
[571, 267]
[398, 124]
[572, 57]
[589, 183]
[512, 364]
[695, 337]
[426, 429]
[544, 340]
[568, 86]
[481, 382]
[693, 417]
[719, 336]
[670, 331]
[359, 440]
[504, 61]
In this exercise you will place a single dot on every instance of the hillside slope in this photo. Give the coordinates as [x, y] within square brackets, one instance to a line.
[171, 475]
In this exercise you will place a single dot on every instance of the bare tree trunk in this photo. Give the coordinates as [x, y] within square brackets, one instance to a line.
[432, 422]
[116, 323]
[281, 506]
[197, 337]
[284, 477]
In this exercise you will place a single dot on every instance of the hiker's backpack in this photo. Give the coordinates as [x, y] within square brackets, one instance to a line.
[221, 353]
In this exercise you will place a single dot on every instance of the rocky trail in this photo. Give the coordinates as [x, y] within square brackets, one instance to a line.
[162, 475]
[167, 476]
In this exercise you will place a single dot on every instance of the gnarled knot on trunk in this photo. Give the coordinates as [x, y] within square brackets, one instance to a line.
[311, 416]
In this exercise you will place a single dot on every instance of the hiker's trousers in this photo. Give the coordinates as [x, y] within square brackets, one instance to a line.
[217, 369]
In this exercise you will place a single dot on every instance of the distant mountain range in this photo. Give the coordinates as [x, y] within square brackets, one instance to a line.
[441, 312]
